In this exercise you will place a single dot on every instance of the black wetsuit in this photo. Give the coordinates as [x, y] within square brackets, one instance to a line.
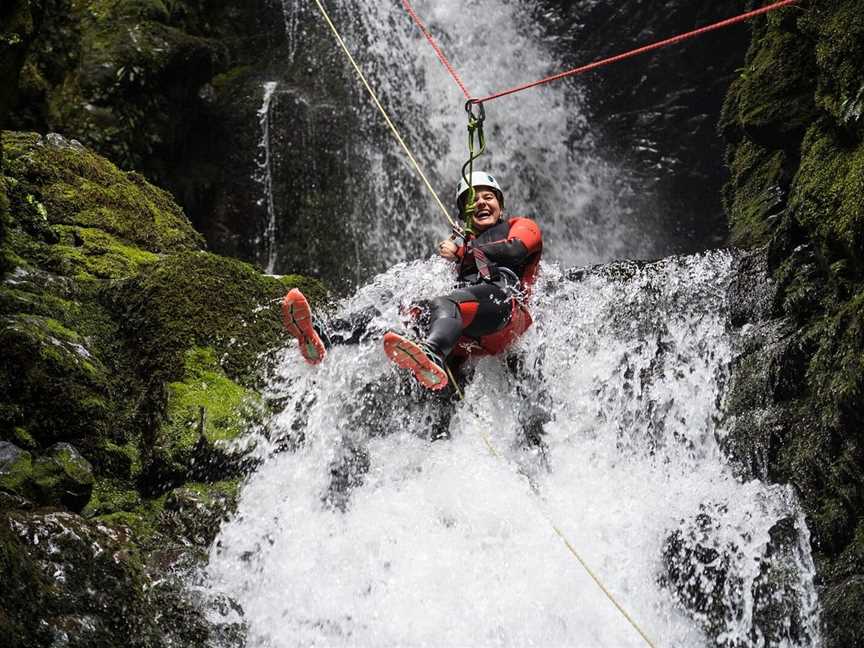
[494, 266]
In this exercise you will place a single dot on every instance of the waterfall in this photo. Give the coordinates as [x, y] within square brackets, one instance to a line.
[540, 145]
[264, 174]
[379, 517]
[291, 10]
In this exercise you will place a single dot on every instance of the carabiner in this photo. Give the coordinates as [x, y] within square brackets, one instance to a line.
[469, 108]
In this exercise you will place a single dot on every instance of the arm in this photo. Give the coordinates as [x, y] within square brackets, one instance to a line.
[523, 240]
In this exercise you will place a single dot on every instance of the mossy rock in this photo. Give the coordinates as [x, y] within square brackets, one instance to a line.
[772, 99]
[197, 299]
[60, 477]
[96, 591]
[839, 26]
[72, 187]
[16, 469]
[205, 411]
[830, 182]
[63, 476]
[57, 383]
[25, 592]
[755, 193]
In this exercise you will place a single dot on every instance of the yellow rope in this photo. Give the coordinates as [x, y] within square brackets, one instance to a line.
[485, 437]
[386, 116]
[597, 580]
[488, 441]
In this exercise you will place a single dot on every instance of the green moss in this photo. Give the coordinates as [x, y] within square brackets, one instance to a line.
[315, 291]
[831, 182]
[773, 97]
[80, 188]
[206, 386]
[92, 253]
[202, 300]
[839, 55]
[754, 193]
[72, 465]
[112, 496]
[836, 370]
[33, 300]
[17, 475]
[23, 439]
[48, 371]
[143, 521]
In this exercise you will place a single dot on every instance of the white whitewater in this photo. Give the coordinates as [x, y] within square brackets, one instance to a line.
[440, 543]
[264, 174]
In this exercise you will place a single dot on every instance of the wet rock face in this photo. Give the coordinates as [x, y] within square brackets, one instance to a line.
[94, 602]
[737, 602]
[77, 583]
[795, 126]
[288, 160]
[174, 91]
[117, 330]
[657, 114]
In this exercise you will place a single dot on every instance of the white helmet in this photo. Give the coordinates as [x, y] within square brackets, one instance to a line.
[479, 179]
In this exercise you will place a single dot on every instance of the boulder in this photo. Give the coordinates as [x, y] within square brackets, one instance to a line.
[712, 575]
[16, 467]
[60, 477]
[63, 476]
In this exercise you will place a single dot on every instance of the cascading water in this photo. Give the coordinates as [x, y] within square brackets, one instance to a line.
[378, 515]
[264, 174]
[359, 529]
[291, 13]
[539, 144]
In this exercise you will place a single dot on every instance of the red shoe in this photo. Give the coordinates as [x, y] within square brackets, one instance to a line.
[426, 366]
[297, 317]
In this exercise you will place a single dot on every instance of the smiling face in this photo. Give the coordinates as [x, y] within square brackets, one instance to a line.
[488, 208]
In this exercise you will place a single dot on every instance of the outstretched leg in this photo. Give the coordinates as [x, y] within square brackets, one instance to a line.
[474, 311]
[317, 335]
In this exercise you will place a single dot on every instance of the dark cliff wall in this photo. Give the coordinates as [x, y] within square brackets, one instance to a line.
[656, 114]
[173, 90]
[794, 122]
[19, 23]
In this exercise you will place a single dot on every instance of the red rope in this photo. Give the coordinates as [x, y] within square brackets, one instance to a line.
[437, 49]
[597, 64]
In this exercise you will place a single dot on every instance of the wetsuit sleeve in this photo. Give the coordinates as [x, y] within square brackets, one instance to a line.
[523, 240]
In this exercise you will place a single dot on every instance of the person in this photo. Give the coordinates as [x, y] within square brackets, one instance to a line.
[497, 265]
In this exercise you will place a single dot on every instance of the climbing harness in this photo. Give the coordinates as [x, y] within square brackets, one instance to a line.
[597, 64]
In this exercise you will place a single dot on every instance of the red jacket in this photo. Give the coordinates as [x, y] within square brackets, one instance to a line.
[515, 244]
